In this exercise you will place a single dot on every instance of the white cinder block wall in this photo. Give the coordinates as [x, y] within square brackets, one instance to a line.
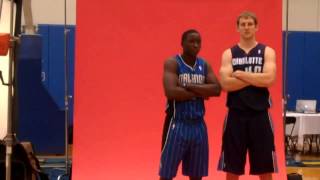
[304, 15]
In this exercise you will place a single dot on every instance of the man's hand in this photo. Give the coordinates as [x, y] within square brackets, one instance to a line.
[237, 74]
[230, 80]
[186, 86]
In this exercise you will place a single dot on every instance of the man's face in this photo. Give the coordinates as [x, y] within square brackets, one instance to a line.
[192, 44]
[247, 28]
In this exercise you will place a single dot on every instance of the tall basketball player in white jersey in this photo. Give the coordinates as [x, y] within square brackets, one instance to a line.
[247, 70]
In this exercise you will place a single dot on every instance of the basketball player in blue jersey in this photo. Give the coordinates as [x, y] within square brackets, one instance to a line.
[187, 80]
[247, 70]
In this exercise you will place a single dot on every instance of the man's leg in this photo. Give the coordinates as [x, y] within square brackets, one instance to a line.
[231, 176]
[234, 144]
[172, 152]
[195, 178]
[161, 178]
[195, 162]
[262, 156]
[267, 176]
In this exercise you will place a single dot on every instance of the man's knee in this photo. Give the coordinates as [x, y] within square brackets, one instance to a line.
[267, 176]
[231, 176]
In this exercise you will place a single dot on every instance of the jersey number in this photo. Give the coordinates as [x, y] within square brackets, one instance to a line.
[257, 69]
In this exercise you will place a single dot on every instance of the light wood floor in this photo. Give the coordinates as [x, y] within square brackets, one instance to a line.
[308, 173]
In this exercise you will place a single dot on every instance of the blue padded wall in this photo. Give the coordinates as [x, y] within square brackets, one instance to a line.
[44, 31]
[311, 66]
[42, 89]
[303, 67]
[53, 63]
[40, 120]
[71, 64]
[294, 70]
[56, 64]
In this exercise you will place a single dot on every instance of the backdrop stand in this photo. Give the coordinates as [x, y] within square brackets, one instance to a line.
[10, 138]
[285, 96]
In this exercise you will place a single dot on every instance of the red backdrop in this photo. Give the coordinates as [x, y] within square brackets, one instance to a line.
[119, 106]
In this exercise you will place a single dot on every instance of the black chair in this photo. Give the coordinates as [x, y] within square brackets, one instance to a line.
[21, 168]
[294, 176]
[312, 142]
[318, 143]
[290, 140]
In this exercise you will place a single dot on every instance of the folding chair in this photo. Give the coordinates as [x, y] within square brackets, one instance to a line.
[290, 140]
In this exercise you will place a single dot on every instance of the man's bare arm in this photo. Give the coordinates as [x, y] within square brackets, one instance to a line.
[210, 88]
[171, 83]
[264, 79]
[227, 81]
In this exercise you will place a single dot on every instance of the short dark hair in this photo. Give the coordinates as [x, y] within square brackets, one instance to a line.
[247, 14]
[186, 33]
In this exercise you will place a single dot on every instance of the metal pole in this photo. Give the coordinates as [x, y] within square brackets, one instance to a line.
[9, 139]
[66, 90]
[285, 66]
[1, 1]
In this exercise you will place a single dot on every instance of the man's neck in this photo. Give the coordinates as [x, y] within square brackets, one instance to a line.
[247, 44]
[190, 60]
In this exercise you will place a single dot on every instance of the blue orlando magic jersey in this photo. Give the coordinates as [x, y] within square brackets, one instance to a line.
[250, 97]
[190, 109]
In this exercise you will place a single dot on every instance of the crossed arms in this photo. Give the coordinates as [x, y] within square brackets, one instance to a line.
[232, 81]
[174, 90]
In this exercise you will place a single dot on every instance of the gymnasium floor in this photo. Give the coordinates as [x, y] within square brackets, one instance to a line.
[306, 164]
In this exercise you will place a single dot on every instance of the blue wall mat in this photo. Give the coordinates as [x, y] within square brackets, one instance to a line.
[40, 120]
[56, 64]
[42, 88]
[44, 31]
[303, 67]
[294, 67]
[70, 60]
[53, 65]
[311, 73]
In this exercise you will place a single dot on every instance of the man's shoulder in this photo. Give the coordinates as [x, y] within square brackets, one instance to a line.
[171, 59]
[170, 63]
[269, 50]
[202, 59]
[227, 52]
[265, 46]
